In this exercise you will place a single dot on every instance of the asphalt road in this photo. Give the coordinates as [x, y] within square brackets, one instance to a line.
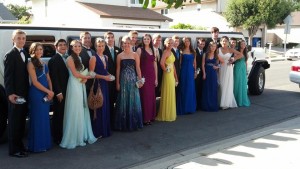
[279, 102]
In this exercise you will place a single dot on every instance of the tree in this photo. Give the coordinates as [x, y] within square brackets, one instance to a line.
[187, 26]
[22, 13]
[170, 3]
[250, 14]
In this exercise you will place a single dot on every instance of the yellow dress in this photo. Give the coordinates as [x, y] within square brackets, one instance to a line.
[167, 108]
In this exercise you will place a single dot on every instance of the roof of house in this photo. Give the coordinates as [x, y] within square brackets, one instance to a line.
[6, 15]
[124, 12]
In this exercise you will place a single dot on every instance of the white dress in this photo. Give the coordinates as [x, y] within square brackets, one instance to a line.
[226, 82]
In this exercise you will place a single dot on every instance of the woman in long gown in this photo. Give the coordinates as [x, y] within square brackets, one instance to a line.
[149, 72]
[39, 137]
[128, 115]
[167, 108]
[226, 74]
[240, 77]
[99, 65]
[77, 129]
[210, 66]
[186, 97]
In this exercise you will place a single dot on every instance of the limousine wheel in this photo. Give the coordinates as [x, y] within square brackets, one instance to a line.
[256, 83]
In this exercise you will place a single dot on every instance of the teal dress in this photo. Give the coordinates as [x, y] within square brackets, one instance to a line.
[240, 83]
[77, 129]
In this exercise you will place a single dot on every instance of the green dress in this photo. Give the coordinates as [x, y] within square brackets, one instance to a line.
[240, 83]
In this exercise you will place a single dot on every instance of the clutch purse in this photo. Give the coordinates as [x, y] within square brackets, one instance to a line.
[85, 72]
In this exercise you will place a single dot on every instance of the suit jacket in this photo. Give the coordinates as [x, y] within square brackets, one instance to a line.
[207, 44]
[199, 58]
[177, 62]
[16, 77]
[112, 63]
[59, 74]
[85, 59]
[159, 74]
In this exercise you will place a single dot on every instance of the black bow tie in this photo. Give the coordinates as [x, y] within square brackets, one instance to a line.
[22, 51]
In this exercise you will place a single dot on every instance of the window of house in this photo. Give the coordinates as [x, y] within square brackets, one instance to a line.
[164, 11]
[134, 1]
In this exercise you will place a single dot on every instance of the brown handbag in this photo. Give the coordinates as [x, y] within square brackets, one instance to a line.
[95, 100]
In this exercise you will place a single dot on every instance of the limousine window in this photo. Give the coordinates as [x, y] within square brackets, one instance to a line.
[47, 42]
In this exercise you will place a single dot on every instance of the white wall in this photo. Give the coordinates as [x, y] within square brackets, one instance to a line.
[128, 23]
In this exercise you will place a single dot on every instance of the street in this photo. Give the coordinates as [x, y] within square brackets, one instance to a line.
[166, 140]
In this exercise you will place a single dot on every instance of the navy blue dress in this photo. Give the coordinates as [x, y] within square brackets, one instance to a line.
[39, 137]
[128, 115]
[210, 87]
[186, 100]
[101, 122]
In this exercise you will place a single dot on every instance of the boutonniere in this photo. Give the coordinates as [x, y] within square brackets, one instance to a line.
[117, 51]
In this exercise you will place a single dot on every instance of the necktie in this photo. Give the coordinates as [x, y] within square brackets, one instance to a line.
[133, 48]
[65, 56]
[22, 54]
[177, 53]
[112, 53]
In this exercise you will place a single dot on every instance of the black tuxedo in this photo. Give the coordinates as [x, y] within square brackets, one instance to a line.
[3, 110]
[59, 76]
[16, 81]
[112, 64]
[85, 59]
[177, 62]
[199, 80]
[159, 74]
[207, 44]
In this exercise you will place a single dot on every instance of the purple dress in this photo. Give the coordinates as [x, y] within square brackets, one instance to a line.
[101, 125]
[147, 92]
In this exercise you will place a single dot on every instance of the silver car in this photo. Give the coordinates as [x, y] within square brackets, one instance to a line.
[295, 72]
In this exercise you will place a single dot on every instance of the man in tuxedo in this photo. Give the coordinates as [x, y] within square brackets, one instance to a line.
[111, 51]
[214, 38]
[176, 53]
[133, 35]
[156, 39]
[16, 82]
[59, 75]
[198, 80]
[86, 53]
[3, 112]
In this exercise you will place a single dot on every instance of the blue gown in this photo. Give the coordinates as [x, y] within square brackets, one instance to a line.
[240, 83]
[101, 124]
[77, 127]
[210, 87]
[128, 115]
[186, 98]
[39, 137]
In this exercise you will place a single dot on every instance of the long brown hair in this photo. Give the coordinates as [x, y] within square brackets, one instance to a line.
[34, 60]
[216, 52]
[245, 51]
[77, 62]
[192, 50]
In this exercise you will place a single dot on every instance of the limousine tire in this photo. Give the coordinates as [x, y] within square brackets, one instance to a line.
[256, 83]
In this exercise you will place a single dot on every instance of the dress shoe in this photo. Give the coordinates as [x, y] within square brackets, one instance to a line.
[20, 154]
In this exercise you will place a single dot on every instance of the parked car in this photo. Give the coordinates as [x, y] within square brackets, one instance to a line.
[293, 54]
[258, 61]
[295, 72]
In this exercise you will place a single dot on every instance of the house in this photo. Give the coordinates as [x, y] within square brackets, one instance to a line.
[6, 16]
[277, 35]
[206, 15]
[96, 14]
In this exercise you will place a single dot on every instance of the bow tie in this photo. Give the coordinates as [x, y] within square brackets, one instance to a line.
[22, 51]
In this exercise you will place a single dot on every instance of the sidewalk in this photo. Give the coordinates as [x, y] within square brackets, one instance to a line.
[276, 147]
